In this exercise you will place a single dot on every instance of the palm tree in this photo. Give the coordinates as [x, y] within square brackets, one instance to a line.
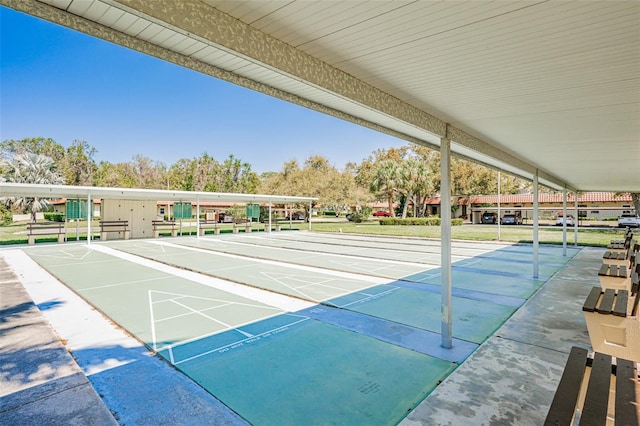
[30, 168]
[386, 178]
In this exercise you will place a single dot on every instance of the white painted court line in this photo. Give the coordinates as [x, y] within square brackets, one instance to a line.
[312, 269]
[286, 303]
[222, 348]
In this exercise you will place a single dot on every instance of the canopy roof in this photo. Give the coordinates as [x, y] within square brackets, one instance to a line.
[67, 191]
[525, 86]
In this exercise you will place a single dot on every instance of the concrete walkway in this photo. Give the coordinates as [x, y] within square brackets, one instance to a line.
[40, 383]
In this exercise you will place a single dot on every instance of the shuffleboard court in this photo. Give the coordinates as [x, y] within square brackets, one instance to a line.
[473, 274]
[404, 249]
[160, 309]
[393, 269]
[305, 283]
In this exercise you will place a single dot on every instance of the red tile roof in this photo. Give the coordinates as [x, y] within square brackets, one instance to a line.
[587, 197]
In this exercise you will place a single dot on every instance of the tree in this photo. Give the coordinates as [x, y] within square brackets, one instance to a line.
[78, 165]
[31, 168]
[49, 147]
[635, 197]
[386, 180]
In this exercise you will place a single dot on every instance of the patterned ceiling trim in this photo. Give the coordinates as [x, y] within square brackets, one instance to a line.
[210, 24]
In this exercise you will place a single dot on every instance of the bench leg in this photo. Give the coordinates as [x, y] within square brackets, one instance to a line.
[247, 228]
[156, 233]
[61, 238]
[202, 232]
[216, 231]
[278, 228]
[103, 236]
[127, 234]
[235, 229]
[32, 240]
[174, 232]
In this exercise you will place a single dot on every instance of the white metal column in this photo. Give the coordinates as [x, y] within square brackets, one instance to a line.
[197, 217]
[89, 217]
[536, 243]
[564, 222]
[445, 239]
[575, 222]
[499, 206]
[269, 217]
[309, 215]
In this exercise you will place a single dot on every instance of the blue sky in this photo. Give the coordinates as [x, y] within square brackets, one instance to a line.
[62, 84]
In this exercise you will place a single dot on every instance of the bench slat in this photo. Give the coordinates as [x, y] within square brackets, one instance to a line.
[596, 401]
[626, 382]
[604, 269]
[620, 308]
[592, 300]
[606, 304]
[566, 397]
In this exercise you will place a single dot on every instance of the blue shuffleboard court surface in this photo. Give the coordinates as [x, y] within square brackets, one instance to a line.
[334, 329]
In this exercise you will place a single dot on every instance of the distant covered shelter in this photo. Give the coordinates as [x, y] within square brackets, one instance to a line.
[139, 206]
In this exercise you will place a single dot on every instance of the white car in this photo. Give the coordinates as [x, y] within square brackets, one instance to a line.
[569, 220]
[630, 220]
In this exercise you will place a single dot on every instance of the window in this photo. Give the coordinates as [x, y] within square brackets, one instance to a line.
[162, 210]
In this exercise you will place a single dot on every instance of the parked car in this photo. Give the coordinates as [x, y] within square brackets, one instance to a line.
[382, 213]
[489, 217]
[630, 220]
[559, 220]
[296, 216]
[225, 218]
[511, 219]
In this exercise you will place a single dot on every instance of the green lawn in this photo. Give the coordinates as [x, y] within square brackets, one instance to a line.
[16, 233]
[546, 234]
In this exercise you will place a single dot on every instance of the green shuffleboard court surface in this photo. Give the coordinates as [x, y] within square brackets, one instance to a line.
[158, 308]
[473, 320]
[311, 373]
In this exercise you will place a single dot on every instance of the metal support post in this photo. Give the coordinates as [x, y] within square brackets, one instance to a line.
[564, 222]
[445, 239]
[536, 243]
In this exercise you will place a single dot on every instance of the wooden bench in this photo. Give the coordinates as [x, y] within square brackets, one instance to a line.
[614, 277]
[208, 224]
[159, 225]
[275, 224]
[46, 228]
[613, 323]
[121, 227]
[597, 389]
[617, 258]
[621, 245]
[237, 223]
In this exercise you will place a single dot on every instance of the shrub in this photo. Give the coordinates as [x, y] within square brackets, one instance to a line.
[424, 221]
[54, 217]
[6, 218]
[361, 215]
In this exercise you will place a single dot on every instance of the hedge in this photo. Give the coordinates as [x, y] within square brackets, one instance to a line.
[54, 217]
[427, 221]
